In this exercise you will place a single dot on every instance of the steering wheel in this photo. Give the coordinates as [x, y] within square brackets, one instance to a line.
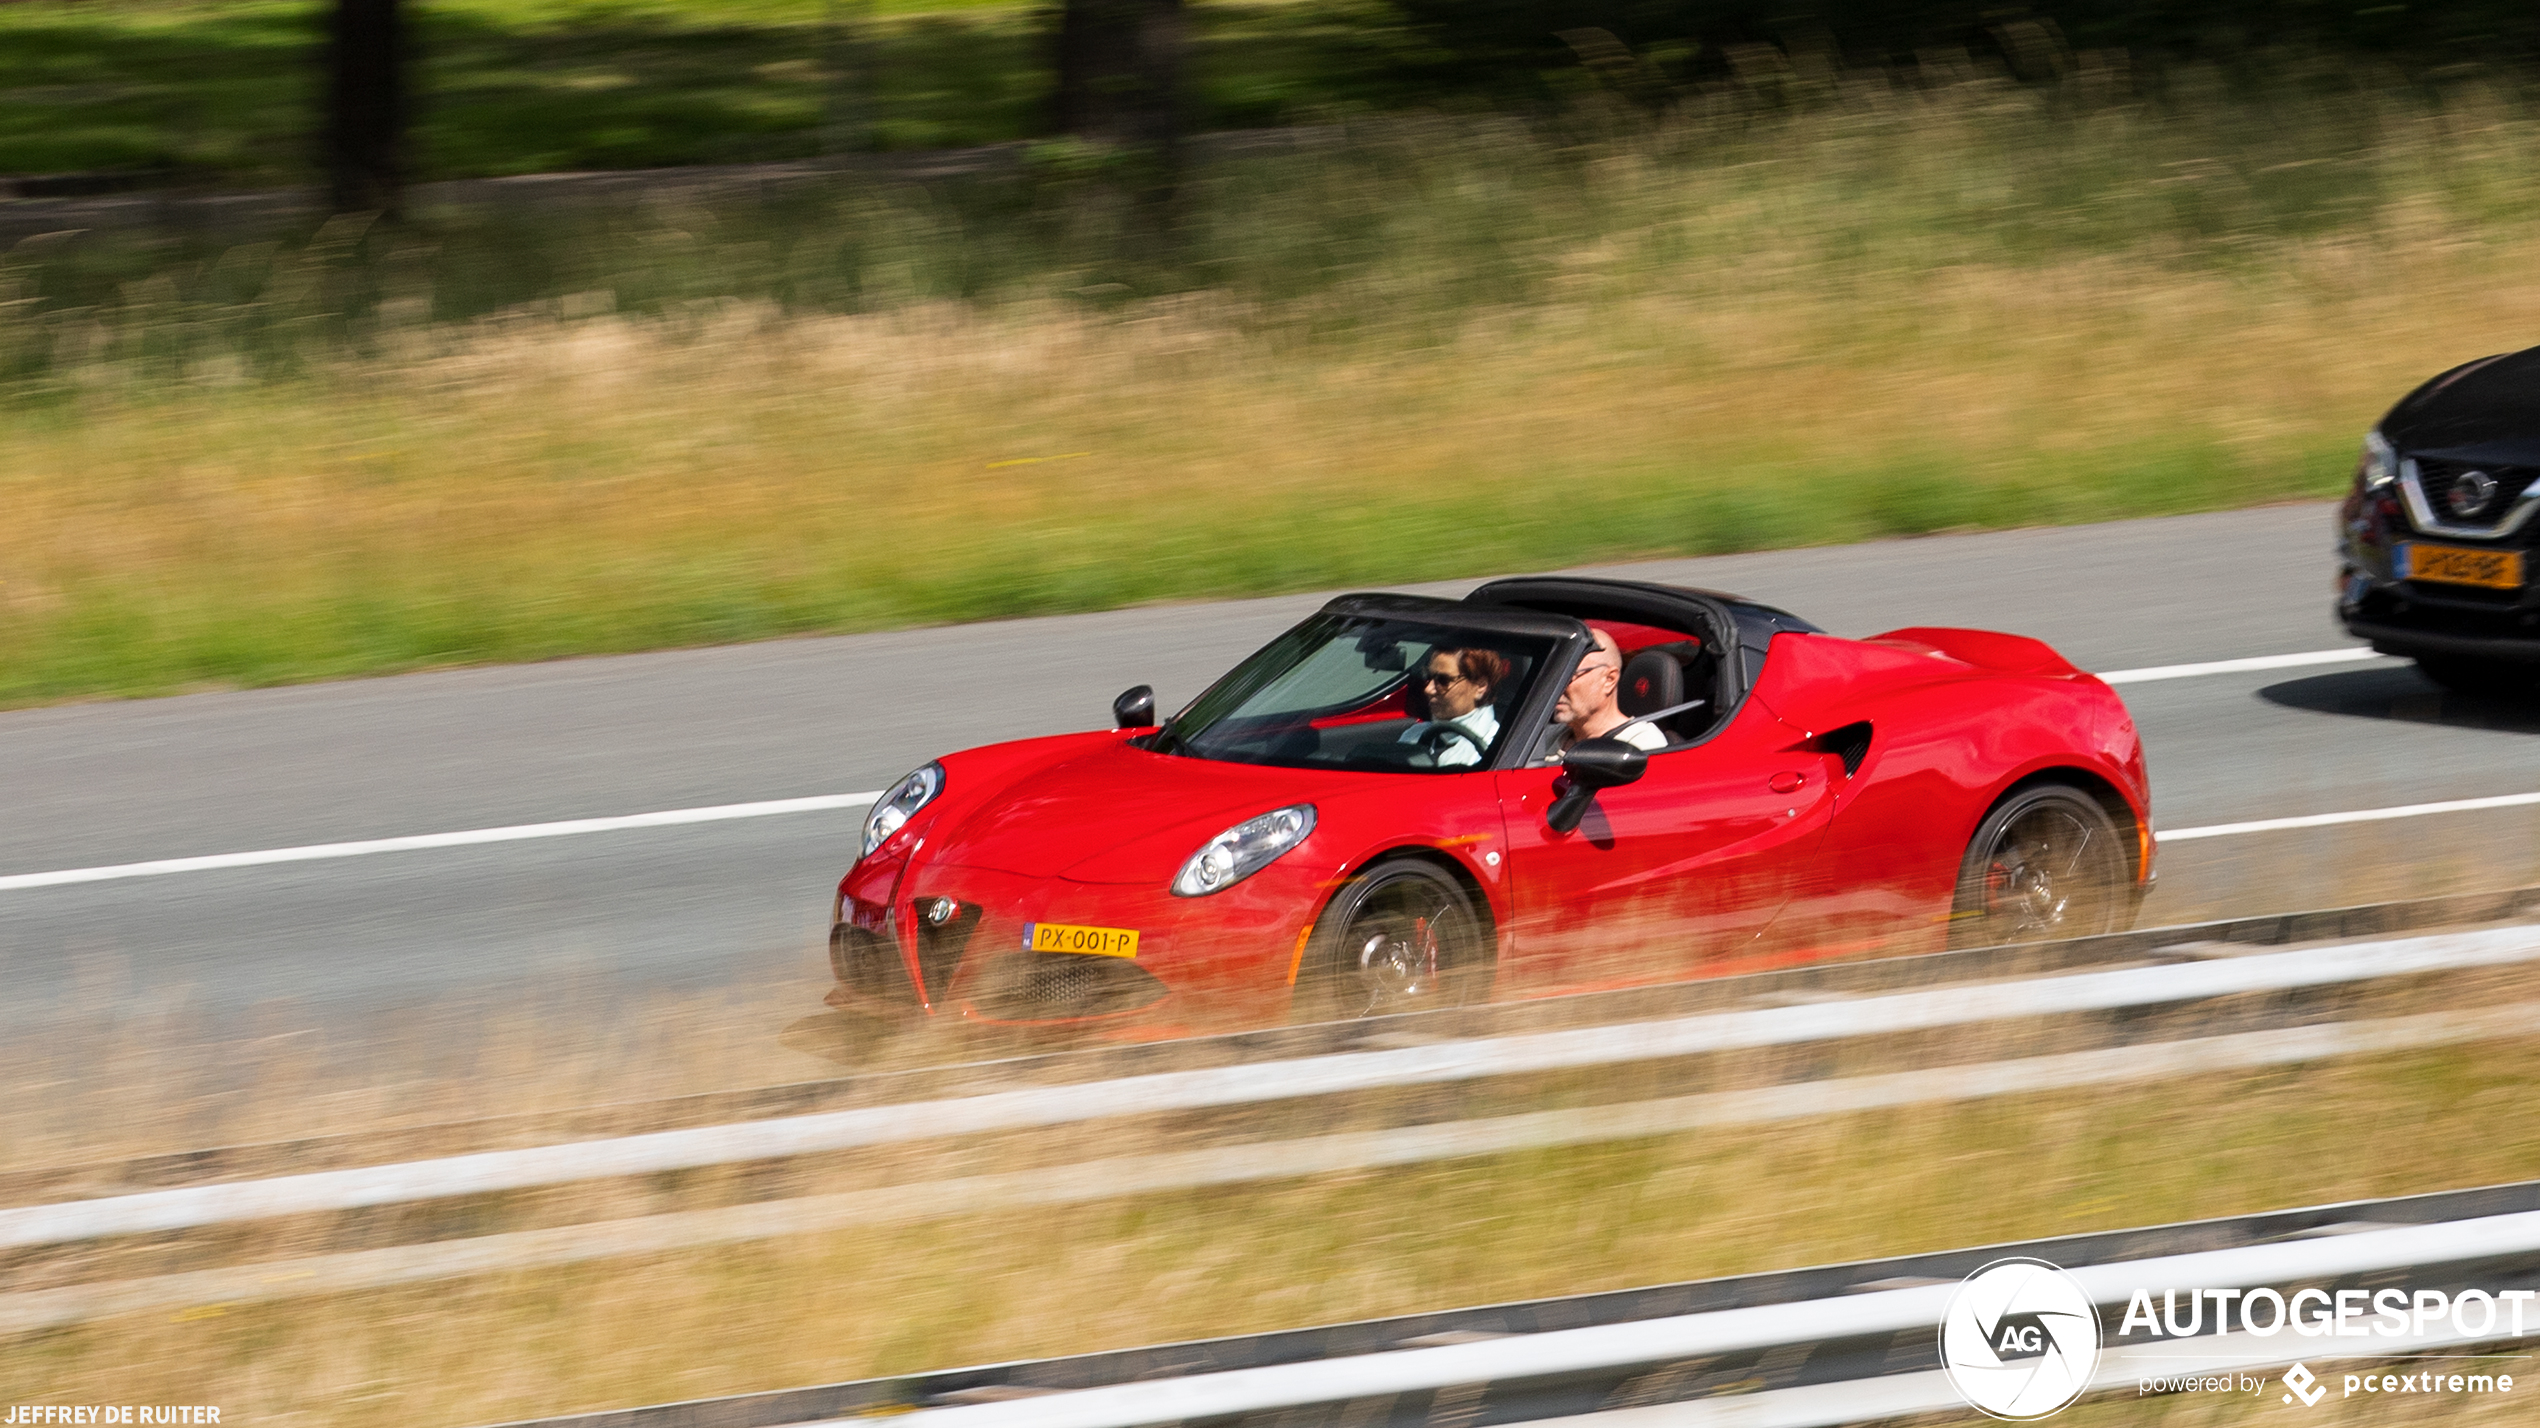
[1439, 735]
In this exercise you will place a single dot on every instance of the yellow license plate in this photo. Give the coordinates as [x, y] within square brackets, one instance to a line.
[1097, 941]
[2459, 565]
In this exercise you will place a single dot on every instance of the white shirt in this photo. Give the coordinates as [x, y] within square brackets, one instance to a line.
[1646, 737]
[1482, 722]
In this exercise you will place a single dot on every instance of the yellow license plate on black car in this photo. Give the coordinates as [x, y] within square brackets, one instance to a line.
[2461, 565]
[1097, 941]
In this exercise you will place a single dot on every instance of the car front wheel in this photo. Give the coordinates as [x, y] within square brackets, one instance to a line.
[1402, 936]
[2046, 864]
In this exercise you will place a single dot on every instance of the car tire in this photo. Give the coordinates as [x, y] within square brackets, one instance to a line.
[2046, 864]
[2486, 678]
[1402, 936]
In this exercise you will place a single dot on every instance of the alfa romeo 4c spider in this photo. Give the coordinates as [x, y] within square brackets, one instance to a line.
[1378, 812]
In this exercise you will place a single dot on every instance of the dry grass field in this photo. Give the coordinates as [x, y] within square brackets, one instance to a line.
[1450, 349]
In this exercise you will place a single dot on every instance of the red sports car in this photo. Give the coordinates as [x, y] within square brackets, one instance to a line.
[1378, 812]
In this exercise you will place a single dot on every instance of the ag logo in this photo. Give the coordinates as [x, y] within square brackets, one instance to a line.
[2021, 1339]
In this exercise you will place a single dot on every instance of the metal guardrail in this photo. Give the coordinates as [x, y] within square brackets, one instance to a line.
[1122, 1177]
[1848, 978]
[2186, 1007]
[1844, 1343]
[1258, 1083]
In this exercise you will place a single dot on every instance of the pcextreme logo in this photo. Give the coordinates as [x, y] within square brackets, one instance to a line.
[2305, 1385]
[2407, 1375]
[2020, 1340]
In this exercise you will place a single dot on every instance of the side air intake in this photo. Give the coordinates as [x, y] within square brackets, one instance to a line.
[1851, 743]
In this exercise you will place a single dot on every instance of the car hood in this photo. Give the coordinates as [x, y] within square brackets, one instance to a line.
[1118, 814]
[2487, 411]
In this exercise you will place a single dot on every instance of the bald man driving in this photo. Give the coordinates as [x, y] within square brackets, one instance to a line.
[1588, 708]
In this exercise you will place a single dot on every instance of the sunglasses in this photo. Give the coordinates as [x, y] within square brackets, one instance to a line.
[1435, 680]
[1585, 670]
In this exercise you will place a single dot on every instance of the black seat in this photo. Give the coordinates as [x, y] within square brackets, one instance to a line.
[1678, 683]
[1652, 680]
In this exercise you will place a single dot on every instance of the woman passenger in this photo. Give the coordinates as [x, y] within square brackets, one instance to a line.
[1459, 685]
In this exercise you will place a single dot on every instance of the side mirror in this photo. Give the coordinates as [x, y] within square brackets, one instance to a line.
[1135, 708]
[1593, 764]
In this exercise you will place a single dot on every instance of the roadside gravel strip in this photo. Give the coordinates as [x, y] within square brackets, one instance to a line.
[1259, 1082]
[1241, 1164]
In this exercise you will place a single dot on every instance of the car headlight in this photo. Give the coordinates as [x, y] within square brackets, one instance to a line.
[1243, 850]
[2379, 466]
[899, 805]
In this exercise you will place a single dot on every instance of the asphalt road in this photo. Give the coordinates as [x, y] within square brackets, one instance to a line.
[743, 901]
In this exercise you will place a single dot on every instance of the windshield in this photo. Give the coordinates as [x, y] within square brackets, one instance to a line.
[1361, 692]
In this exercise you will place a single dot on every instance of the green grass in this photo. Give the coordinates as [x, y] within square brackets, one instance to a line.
[370, 606]
[200, 87]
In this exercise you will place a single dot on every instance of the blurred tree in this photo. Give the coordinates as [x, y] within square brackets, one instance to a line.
[366, 109]
[1119, 66]
[1120, 71]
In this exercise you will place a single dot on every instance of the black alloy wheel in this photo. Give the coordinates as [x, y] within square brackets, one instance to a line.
[2490, 679]
[1401, 937]
[2047, 864]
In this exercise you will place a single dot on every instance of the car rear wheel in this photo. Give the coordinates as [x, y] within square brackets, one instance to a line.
[1402, 936]
[2479, 676]
[2046, 864]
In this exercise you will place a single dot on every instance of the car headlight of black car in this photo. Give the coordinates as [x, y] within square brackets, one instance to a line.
[2379, 466]
[1243, 850]
[892, 812]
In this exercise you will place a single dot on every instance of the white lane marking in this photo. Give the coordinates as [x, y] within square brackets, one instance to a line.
[1254, 1083]
[828, 802]
[2235, 666]
[315, 851]
[466, 838]
[2360, 815]
[2313, 820]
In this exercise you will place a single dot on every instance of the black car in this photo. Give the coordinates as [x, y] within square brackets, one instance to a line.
[2439, 532]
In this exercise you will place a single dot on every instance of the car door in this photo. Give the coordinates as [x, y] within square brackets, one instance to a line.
[1677, 872]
